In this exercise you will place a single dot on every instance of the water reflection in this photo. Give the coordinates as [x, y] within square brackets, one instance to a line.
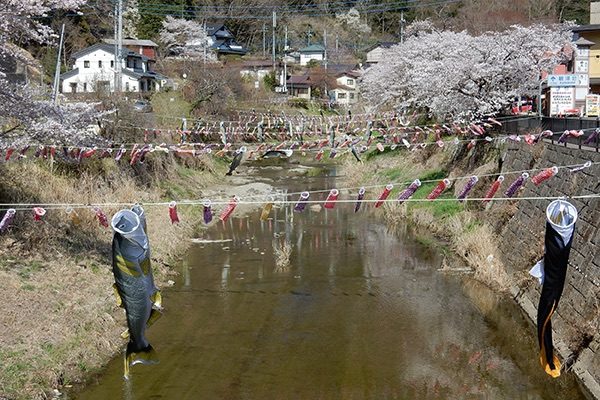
[359, 313]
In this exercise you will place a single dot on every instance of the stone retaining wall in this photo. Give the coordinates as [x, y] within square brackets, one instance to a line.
[576, 323]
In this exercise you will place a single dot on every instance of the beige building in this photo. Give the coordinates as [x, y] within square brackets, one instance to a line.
[378, 52]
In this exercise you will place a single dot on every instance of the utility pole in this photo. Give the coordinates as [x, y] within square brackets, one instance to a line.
[337, 43]
[119, 48]
[325, 46]
[274, 26]
[116, 34]
[402, 21]
[57, 72]
[205, 44]
[264, 31]
[285, 61]
[539, 99]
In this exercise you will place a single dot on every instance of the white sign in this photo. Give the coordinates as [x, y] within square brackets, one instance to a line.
[581, 66]
[583, 80]
[562, 80]
[561, 99]
[592, 105]
[581, 92]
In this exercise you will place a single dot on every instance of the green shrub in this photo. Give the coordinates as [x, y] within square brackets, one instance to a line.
[298, 103]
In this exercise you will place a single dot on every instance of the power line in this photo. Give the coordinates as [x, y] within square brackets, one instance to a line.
[270, 7]
[167, 9]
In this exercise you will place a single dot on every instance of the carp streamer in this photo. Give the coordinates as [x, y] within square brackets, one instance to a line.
[560, 226]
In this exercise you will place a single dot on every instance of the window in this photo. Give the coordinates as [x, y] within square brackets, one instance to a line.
[350, 82]
[112, 63]
[99, 63]
[341, 95]
[84, 87]
[86, 64]
[73, 87]
[351, 96]
[127, 86]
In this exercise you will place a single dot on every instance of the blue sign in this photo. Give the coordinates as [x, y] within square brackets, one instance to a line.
[562, 80]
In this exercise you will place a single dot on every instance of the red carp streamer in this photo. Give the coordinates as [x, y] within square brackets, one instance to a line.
[173, 212]
[331, 198]
[493, 189]
[384, 195]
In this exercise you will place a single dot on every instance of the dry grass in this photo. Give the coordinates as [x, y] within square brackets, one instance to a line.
[478, 246]
[356, 172]
[472, 240]
[61, 321]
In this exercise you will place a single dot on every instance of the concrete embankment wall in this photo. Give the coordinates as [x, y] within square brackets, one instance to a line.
[576, 322]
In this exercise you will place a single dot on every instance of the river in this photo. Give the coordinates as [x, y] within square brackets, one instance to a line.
[359, 313]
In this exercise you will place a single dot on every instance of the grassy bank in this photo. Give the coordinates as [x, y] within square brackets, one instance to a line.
[462, 226]
[58, 319]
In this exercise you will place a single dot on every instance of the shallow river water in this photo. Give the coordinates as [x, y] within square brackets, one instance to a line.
[359, 313]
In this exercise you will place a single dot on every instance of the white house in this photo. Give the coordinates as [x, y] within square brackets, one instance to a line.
[94, 71]
[313, 52]
[256, 69]
[378, 52]
[346, 90]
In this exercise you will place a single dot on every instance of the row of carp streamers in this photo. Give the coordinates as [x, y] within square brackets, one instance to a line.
[330, 201]
[393, 141]
[259, 130]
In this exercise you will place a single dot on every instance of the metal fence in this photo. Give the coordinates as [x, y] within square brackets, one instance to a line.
[558, 126]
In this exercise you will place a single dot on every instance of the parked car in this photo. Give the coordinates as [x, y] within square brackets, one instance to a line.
[142, 106]
[523, 107]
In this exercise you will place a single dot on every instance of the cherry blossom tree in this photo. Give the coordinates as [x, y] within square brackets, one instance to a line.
[25, 115]
[183, 37]
[352, 22]
[455, 74]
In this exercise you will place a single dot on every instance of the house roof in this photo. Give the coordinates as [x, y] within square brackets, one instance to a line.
[70, 73]
[109, 49]
[313, 48]
[344, 87]
[158, 75]
[385, 45]
[351, 74]
[584, 42]
[133, 42]
[340, 69]
[586, 28]
[228, 47]
[299, 80]
[138, 75]
[213, 27]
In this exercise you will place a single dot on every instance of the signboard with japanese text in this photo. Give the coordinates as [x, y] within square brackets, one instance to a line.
[562, 80]
[592, 105]
[561, 100]
[583, 80]
[581, 66]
